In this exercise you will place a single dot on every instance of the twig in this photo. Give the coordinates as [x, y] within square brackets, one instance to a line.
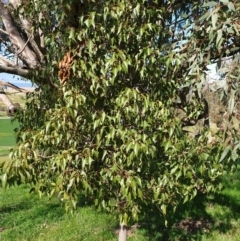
[19, 52]
[1, 30]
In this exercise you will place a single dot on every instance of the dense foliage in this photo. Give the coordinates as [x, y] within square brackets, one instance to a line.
[103, 122]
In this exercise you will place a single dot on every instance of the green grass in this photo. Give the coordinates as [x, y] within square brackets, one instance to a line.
[4, 150]
[23, 216]
[26, 217]
[7, 138]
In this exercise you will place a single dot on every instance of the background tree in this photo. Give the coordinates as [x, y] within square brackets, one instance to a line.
[103, 122]
[11, 107]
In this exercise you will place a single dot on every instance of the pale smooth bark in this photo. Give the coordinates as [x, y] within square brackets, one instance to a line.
[27, 26]
[25, 48]
[5, 61]
[7, 84]
[14, 70]
[22, 49]
[11, 108]
[122, 236]
[8, 103]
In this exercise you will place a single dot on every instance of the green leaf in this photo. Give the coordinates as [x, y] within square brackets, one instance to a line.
[140, 195]
[164, 209]
[90, 46]
[224, 154]
[186, 198]
[72, 34]
[219, 37]
[214, 19]
[48, 126]
[136, 10]
[231, 6]
[4, 180]
[231, 104]
[70, 183]
[136, 148]
[210, 4]
[204, 16]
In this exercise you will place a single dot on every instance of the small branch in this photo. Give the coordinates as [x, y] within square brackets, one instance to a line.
[24, 46]
[1, 30]
[14, 70]
[7, 102]
[45, 157]
[3, 83]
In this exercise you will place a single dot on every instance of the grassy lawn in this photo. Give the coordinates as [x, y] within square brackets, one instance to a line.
[213, 218]
[23, 216]
[7, 133]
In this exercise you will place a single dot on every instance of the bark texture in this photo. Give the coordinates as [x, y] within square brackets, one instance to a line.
[22, 49]
[122, 236]
[10, 107]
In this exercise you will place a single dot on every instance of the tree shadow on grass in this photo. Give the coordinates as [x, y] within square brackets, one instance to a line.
[228, 210]
[185, 224]
[191, 220]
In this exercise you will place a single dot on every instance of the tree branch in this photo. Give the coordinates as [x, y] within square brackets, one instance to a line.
[3, 83]
[27, 56]
[1, 30]
[27, 27]
[14, 70]
[7, 102]
[20, 51]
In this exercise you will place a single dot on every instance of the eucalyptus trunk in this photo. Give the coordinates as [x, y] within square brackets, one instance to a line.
[7, 102]
[122, 232]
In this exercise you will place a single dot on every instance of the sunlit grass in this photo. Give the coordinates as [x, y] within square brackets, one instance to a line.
[25, 217]
[7, 132]
[4, 150]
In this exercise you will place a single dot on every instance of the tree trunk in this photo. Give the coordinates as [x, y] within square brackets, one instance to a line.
[122, 236]
[22, 50]
[8, 103]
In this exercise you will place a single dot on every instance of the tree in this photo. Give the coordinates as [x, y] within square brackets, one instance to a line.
[11, 107]
[19, 49]
[111, 74]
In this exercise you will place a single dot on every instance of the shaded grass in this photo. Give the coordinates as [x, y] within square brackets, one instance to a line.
[7, 132]
[206, 218]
